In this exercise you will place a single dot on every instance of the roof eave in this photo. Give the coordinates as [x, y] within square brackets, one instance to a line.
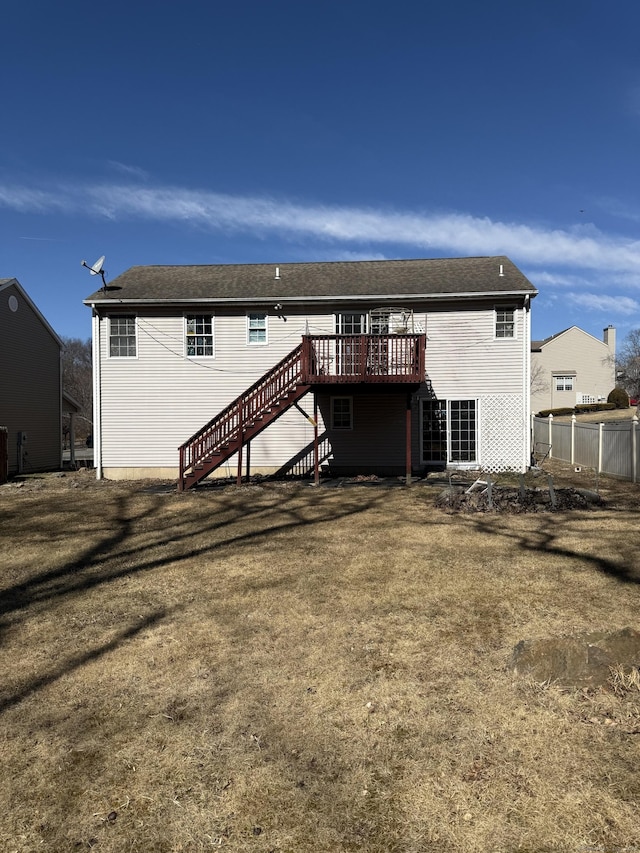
[239, 300]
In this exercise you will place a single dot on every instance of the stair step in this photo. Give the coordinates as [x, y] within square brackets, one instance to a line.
[274, 381]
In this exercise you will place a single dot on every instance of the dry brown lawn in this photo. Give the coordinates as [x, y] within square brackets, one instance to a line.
[284, 668]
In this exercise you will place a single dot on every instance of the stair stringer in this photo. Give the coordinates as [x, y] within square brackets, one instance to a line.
[209, 464]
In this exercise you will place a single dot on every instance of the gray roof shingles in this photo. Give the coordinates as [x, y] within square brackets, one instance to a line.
[323, 280]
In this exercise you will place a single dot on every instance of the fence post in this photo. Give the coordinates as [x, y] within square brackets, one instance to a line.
[573, 437]
[550, 442]
[634, 448]
[600, 434]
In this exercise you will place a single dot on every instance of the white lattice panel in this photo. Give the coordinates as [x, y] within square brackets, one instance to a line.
[502, 432]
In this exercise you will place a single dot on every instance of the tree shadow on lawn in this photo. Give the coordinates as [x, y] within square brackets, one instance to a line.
[131, 540]
[77, 661]
[550, 529]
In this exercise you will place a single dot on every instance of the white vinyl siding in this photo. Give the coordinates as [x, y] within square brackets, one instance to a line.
[465, 361]
[150, 410]
[152, 406]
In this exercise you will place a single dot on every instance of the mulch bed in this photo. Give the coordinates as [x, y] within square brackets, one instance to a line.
[512, 501]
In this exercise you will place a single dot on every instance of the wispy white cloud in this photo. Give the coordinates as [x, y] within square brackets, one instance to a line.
[605, 303]
[126, 169]
[551, 279]
[584, 248]
[28, 200]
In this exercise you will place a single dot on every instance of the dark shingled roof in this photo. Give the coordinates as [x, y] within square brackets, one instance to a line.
[536, 346]
[304, 281]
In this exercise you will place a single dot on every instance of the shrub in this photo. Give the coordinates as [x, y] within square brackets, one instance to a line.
[619, 398]
[581, 408]
[546, 412]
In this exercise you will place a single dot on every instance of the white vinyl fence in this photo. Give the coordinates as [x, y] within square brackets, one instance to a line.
[609, 448]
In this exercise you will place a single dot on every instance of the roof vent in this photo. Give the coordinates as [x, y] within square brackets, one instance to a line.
[501, 273]
[277, 275]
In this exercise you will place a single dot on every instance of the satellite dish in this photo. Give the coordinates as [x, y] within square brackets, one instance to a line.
[96, 269]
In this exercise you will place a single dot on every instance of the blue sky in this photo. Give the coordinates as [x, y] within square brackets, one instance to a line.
[207, 132]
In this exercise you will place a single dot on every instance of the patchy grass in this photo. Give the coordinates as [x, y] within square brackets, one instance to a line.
[283, 668]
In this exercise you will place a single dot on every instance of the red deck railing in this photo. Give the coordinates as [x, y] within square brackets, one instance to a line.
[363, 358]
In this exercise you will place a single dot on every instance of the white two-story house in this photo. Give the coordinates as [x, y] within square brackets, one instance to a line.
[376, 367]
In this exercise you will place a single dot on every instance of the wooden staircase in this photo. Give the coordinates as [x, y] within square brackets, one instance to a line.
[243, 419]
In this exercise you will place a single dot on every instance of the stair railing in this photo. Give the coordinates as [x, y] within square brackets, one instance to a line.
[227, 426]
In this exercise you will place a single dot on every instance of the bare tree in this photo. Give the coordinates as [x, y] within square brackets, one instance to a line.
[628, 364]
[539, 383]
[77, 380]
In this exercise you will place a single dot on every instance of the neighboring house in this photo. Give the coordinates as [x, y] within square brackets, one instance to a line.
[408, 364]
[572, 367]
[30, 383]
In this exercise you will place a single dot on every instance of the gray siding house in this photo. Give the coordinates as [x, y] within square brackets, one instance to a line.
[572, 367]
[30, 383]
[385, 367]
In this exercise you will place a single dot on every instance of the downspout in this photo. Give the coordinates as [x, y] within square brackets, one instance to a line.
[97, 397]
[526, 372]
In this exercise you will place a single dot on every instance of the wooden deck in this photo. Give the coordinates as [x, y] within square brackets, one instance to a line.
[384, 359]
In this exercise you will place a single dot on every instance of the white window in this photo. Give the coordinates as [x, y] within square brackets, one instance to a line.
[257, 328]
[199, 336]
[563, 383]
[342, 413]
[122, 337]
[505, 323]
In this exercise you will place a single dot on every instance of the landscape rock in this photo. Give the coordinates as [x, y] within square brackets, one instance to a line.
[583, 660]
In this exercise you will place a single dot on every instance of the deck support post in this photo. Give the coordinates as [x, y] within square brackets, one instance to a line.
[181, 473]
[240, 431]
[248, 467]
[408, 440]
[316, 455]
[239, 474]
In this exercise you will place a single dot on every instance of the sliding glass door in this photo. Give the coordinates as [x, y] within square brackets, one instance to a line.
[449, 431]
